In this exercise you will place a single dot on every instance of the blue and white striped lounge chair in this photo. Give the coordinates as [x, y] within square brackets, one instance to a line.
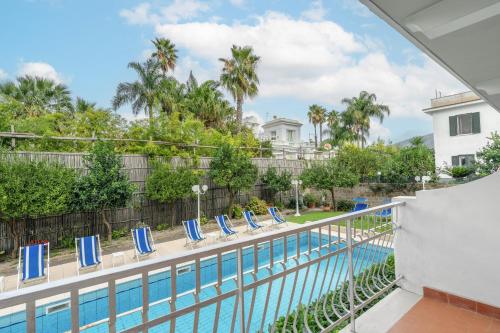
[360, 204]
[385, 212]
[143, 242]
[88, 252]
[225, 226]
[193, 232]
[251, 219]
[31, 266]
[276, 215]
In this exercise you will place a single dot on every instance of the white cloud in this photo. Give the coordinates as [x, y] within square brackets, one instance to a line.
[3, 74]
[316, 61]
[378, 131]
[177, 11]
[316, 12]
[238, 3]
[40, 69]
[356, 7]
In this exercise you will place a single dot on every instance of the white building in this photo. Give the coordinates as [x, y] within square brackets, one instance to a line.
[252, 123]
[462, 124]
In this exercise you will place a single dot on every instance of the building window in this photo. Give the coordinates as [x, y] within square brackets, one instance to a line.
[290, 134]
[468, 123]
[273, 136]
[463, 160]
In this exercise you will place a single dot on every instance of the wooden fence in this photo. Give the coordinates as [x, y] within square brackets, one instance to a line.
[60, 229]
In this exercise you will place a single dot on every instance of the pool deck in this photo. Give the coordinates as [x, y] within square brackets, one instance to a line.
[69, 269]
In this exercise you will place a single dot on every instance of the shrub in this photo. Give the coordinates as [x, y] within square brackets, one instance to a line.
[119, 233]
[258, 206]
[310, 199]
[291, 204]
[489, 156]
[67, 242]
[460, 171]
[345, 205]
[237, 211]
[162, 226]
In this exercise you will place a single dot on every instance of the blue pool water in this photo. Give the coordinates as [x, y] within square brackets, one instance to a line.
[94, 305]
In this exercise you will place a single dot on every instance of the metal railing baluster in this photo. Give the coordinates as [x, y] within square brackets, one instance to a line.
[75, 311]
[30, 317]
[112, 306]
[173, 294]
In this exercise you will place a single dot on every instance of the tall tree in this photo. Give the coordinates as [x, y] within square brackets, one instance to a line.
[142, 93]
[165, 54]
[239, 76]
[359, 111]
[38, 95]
[321, 117]
[104, 186]
[314, 115]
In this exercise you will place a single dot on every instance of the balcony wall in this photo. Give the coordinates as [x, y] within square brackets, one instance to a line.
[450, 240]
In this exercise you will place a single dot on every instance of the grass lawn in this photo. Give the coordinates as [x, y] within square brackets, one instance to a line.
[314, 216]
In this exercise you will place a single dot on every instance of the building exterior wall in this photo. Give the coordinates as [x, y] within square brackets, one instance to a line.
[448, 240]
[281, 134]
[446, 146]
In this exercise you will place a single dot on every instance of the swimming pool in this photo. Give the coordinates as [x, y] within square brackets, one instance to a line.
[93, 311]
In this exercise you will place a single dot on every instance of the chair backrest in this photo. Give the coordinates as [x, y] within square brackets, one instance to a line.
[359, 206]
[88, 251]
[33, 261]
[249, 218]
[141, 240]
[223, 224]
[275, 214]
[193, 230]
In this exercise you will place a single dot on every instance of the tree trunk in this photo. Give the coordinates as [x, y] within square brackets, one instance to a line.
[108, 226]
[231, 203]
[15, 237]
[151, 116]
[315, 137]
[239, 111]
[320, 133]
[332, 191]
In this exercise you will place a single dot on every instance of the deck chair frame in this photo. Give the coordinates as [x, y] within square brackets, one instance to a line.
[96, 266]
[46, 276]
[191, 242]
[255, 220]
[280, 215]
[139, 255]
[229, 224]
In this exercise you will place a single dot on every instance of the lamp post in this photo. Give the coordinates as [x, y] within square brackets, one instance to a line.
[297, 182]
[423, 179]
[199, 191]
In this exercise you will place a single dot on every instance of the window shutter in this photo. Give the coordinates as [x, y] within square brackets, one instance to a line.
[453, 125]
[476, 123]
[454, 161]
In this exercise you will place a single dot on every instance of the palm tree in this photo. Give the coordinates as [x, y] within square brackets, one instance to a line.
[38, 95]
[171, 96]
[165, 54]
[143, 93]
[81, 105]
[321, 117]
[359, 111]
[239, 76]
[312, 114]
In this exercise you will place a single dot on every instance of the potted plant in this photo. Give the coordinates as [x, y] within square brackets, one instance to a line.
[324, 203]
[310, 200]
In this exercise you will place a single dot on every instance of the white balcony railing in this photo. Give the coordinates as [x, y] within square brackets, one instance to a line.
[328, 270]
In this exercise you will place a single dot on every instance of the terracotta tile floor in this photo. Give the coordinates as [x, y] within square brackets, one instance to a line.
[430, 315]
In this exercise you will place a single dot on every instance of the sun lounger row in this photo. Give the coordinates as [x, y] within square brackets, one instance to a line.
[34, 260]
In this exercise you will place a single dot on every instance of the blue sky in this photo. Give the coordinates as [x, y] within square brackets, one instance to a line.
[312, 52]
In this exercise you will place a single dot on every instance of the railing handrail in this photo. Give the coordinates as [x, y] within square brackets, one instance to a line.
[13, 298]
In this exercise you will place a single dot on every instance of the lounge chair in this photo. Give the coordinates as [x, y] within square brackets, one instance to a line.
[251, 219]
[385, 212]
[33, 262]
[360, 204]
[143, 241]
[193, 232]
[225, 226]
[88, 253]
[276, 215]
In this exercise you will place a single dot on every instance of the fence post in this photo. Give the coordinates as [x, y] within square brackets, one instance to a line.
[13, 139]
[241, 303]
[351, 275]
